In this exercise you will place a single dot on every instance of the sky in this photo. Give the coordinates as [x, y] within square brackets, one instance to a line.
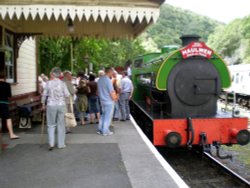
[221, 10]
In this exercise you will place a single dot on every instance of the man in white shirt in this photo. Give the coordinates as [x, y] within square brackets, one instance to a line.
[126, 90]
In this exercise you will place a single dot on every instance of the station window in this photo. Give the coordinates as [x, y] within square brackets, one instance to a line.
[9, 57]
[233, 78]
[241, 78]
[237, 78]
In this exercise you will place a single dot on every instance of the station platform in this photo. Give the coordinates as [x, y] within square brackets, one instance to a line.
[122, 160]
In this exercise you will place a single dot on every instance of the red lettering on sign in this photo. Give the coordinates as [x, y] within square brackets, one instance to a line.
[196, 49]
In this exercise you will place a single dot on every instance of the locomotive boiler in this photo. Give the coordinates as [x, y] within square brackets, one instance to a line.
[175, 97]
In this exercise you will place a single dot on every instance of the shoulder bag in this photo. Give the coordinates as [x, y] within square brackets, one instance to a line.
[70, 120]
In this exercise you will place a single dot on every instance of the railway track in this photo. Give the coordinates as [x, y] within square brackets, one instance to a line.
[202, 170]
[196, 169]
[229, 107]
[243, 111]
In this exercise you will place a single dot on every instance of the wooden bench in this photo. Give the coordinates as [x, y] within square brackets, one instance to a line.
[33, 100]
[13, 113]
[34, 106]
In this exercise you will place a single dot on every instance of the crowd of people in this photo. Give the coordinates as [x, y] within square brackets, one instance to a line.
[100, 100]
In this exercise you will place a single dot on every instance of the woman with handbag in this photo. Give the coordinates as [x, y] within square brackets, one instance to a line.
[70, 100]
[82, 99]
[55, 92]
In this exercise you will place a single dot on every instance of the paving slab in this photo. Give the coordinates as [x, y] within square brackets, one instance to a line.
[89, 160]
[79, 165]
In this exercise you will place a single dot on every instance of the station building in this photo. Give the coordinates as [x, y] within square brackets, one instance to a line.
[23, 21]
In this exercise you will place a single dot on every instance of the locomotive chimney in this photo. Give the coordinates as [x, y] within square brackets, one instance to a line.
[186, 39]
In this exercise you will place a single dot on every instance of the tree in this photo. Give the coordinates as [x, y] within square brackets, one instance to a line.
[174, 22]
[233, 41]
[100, 52]
[54, 52]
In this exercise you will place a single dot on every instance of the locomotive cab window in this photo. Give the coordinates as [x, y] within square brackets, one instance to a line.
[146, 79]
[237, 78]
[138, 63]
[241, 78]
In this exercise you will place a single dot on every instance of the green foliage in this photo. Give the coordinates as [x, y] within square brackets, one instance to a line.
[246, 27]
[233, 41]
[54, 52]
[109, 53]
[174, 22]
[100, 52]
[227, 39]
[242, 154]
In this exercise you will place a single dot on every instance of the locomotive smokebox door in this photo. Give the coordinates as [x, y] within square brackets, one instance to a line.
[193, 87]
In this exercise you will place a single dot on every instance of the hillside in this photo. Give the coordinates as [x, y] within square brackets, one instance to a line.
[233, 41]
[174, 22]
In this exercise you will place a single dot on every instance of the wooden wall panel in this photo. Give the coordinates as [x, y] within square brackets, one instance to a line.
[26, 69]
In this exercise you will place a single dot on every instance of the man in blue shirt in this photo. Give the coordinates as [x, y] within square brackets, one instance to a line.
[126, 90]
[107, 97]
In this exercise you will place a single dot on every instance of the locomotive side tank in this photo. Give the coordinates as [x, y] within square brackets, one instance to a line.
[176, 93]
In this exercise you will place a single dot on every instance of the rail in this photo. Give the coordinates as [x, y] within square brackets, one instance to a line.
[199, 169]
[228, 170]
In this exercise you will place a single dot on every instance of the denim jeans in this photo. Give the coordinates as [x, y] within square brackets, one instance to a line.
[106, 117]
[55, 119]
[94, 105]
[76, 112]
[124, 105]
[116, 111]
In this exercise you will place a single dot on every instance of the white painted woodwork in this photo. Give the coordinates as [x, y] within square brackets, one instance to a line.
[107, 18]
[26, 69]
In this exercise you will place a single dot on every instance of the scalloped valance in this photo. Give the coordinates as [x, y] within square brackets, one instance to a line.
[65, 11]
[106, 18]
